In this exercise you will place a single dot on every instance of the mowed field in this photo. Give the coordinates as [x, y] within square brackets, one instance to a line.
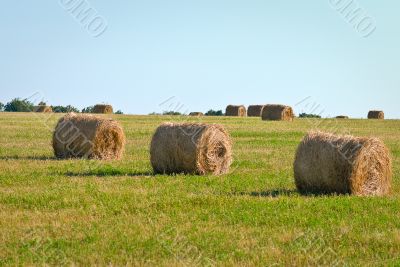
[65, 212]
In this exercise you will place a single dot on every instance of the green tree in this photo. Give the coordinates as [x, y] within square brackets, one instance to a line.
[119, 112]
[214, 113]
[1, 106]
[88, 109]
[67, 109]
[305, 115]
[70, 108]
[174, 113]
[19, 105]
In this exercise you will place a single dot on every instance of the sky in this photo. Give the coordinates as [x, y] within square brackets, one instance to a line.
[151, 56]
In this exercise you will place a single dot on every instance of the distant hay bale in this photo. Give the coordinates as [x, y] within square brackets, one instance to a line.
[376, 114]
[236, 111]
[103, 109]
[254, 110]
[277, 113]
[191, 148]
[326, 163]
[196, 114]
[88, 136]
[43, 109]
[342, 117]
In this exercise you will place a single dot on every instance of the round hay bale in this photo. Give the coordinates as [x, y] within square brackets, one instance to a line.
[196, 114]
[43, 109]
[254, 110]
[277, 113]
[376, 114]
[326, 163]
[88, 136]
[191, 148]
[236, 111]
[342, 117]
[103, 109]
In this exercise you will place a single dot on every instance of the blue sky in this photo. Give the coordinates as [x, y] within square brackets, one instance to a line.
[206, 54]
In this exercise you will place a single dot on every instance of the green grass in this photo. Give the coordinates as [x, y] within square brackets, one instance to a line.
[63, 212]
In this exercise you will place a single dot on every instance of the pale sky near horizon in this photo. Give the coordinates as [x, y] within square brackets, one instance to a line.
[203, 55]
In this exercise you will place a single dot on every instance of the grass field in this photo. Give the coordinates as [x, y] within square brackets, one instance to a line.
[63, 212]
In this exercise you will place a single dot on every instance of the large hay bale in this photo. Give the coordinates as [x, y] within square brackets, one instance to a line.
[196, 114]
[342, 117]
[191, 148]
[254, 110]
[103, 109]
[376, 114]
[236, 111]
[326, 163]
[43, 109]
[88, 136]
[277, 113]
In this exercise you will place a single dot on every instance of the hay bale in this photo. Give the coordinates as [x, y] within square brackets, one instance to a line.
[88, 136]
[236, 111]
[196, 114]
[342, 117]
[376, 114]
[191, 148]
[254, 110]
[277, 113]
[326, 163]
[103, 109]
[43, 109]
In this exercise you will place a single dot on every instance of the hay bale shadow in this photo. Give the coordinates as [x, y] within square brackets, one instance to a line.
[320, 193]
[38, 158]
[104, 173]
[268, 193]
[275, 193]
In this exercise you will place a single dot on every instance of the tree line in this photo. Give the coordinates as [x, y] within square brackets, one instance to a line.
[24, 105]
[211, 112]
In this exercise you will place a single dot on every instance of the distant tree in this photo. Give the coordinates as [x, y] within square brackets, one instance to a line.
[19, 105]
[214, 113]
[155, 114]
[58, 109]
[42, 103]
[305, 115]
[1, 106]
[119, 112]
[173, 113]
[70, 108]
[88, 110]
[67, 109]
